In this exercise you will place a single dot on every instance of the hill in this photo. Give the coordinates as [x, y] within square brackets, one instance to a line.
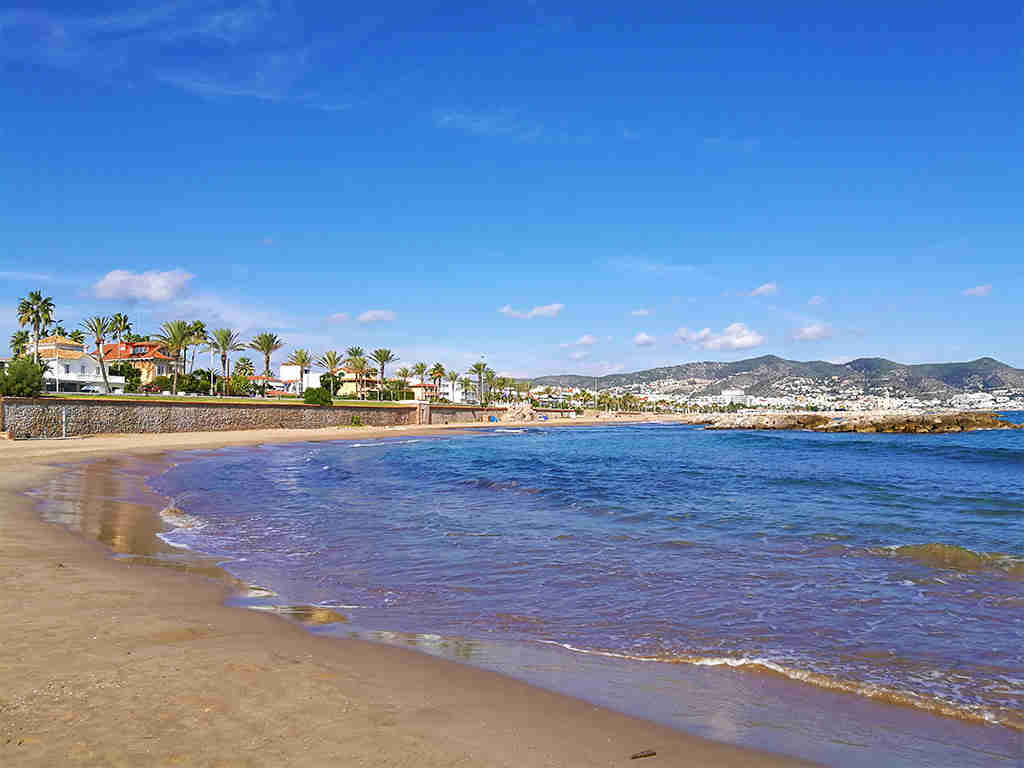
[774, 376]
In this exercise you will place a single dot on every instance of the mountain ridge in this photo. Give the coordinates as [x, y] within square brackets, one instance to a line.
[770, 375]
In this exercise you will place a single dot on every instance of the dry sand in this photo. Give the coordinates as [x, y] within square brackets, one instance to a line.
[102, 663]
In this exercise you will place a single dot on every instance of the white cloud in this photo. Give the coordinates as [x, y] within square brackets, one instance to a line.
[816, 300]
[735, 336]
[547, 310]
[813, 332]
[376, 316]
[644, 339]
[640, 313]
[579, 355]
[979, 290]
[337, 317]
[768, 289]
[242, 316]
[148, 286]
[506, 123]
[586, 340]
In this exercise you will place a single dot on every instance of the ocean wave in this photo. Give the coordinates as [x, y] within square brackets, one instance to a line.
[1004, 716]
[954, 558]
[179, 520]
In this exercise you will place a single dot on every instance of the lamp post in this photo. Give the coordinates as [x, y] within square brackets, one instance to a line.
[211, 371]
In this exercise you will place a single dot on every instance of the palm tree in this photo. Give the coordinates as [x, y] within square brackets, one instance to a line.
[480, 371]
[37, 311]
[436, 373]
[383, 358]
[19, 343]
[359, 367]
[77, 336]
[420, 369]
[303, 359]
[244, 367]
[467, 386]
[224, 341]
[198, 330]
[353, 352]
[332, 363]
[175, 336]
[453, 379]
[402, 374]
[120, 327]
[99, 327]
[267, 344]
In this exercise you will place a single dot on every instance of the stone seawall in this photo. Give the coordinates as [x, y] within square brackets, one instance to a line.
[52, 417]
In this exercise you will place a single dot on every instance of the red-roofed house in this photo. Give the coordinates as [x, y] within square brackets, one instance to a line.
[149, 357]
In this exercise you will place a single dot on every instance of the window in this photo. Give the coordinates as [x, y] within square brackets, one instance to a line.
[67, 369]
[139, 350]
[159, 370]
[83, 369]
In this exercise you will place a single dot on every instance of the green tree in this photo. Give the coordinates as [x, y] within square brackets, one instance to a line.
[420, 370]
[132, 375]
[21, 378]
[266, 344]
[98, 327]
[224, 341]
[436, 373]
[303, 359]
[359, 366]
[175, 336]
[77, 336]
[331, 362]
[244, 367]
[353, 352]
[120, 327]
[197, 331]
[37, 311]
[383, 357]
[19, 343]
[317, 396]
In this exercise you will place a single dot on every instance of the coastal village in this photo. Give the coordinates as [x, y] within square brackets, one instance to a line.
[104, 356]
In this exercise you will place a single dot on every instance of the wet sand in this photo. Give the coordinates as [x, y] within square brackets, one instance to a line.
[104, 661]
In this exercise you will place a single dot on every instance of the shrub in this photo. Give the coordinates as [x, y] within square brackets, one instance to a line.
[240, 386]
[21, 378]
[356, 421]
[317, 396]
[161, 384]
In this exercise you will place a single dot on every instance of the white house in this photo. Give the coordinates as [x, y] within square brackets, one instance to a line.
[291, 376]
[69, 368]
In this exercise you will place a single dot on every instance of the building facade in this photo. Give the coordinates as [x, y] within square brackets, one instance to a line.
[150, 358]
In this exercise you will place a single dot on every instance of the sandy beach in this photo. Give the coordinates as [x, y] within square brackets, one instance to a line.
[103, 662]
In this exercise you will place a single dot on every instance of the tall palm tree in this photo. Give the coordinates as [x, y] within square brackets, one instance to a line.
[331, 362]
[359, 366]
[383, 357]
[223, 341]
[420, 369]
[77, 336]
[120, 327]
[436, 373]
[98, 327]
[19, 343]
[480, 371]
[303, 359]
[199, 336]
[353, 352]
[453, 379]
[266, 344]
[37, 311]
[175, 336]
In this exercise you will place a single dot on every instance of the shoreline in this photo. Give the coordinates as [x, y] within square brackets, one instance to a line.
[103, 662]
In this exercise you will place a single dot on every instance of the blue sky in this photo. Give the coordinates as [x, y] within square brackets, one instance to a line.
[559, 187]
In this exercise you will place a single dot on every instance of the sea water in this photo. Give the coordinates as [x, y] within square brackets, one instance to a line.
[885, 567]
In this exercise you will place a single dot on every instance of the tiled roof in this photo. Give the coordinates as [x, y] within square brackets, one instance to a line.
[152, 351]
[51, 354]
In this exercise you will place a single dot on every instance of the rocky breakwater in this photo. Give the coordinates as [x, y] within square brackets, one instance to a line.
[895, 423]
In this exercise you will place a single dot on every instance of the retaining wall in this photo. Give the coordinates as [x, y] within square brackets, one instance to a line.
[53, 417]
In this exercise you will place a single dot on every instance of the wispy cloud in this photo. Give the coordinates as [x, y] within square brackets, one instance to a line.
[813, 332]
[644, 340]
[338, 317]
[640, 313]
[580, 354]
[546, 310]
[371, 316]
[767, 289]
[586, 340]
[816, 300]
[146, 286]
[979, 290]
[647, 266]
[501, 122]
[732, 337]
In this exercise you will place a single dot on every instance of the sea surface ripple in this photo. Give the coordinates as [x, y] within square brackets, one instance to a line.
[889, 566]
